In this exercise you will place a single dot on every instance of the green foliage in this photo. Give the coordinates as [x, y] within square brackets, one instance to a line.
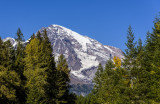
[109, 85]
[40, 71]
[32, 37]
[39, 36]
[9, 79]
[29, 74]
[137, 80]
[8, 84]
[62, 81]
[35, 72]
[98, 79]
[46, 83]
[130, 52]
[150, 76]
[19, 35]
[80, 89]
[84, 100]
[19, 64]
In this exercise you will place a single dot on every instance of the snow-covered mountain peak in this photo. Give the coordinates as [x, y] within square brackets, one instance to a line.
[8, 38]
[60, 30]
[83, 54]
[12, 40]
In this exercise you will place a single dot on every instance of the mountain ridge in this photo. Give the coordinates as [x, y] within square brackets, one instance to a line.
[83, 54]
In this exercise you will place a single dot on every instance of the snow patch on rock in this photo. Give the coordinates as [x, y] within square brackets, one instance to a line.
[80, 38]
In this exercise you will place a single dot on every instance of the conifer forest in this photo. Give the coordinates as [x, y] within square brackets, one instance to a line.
[29, 73]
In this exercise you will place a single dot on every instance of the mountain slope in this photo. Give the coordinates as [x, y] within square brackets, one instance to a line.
[83, 54]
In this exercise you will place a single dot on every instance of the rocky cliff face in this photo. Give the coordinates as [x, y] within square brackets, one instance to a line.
[83, 54]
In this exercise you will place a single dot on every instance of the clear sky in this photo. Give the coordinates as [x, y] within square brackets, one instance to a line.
[104, 20]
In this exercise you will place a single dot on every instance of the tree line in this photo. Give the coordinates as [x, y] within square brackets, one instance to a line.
[30, 75]
[133, 80]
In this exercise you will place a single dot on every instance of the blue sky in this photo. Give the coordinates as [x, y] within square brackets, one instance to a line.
[104, 20]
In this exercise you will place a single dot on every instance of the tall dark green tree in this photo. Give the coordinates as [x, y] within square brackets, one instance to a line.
[63, 95]
[130, 52]
[10, 80]
[46, 83]
[130, 63]
[115, 82]
[19, 64]
[32, 37]
[111, 85]
[150, 73]
[51, 88]
[98, 79]
[40, 70]
[39, 35]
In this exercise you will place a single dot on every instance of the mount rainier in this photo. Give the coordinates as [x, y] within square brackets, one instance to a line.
[83, 54]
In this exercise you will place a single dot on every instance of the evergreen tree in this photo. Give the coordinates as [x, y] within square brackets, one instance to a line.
[45, 82]
[19, 36]
[32, 37]
[40, 70]
[39, 36]
[84, 100]
[35, 72]
[115, 82]
[19, 64]
[63, 80]
[102, 94]
[113, 86]
[10, 80]
[51, 70]
[130, 64]
[98, 79]
[80, 100]
[150, 75]
[130, 52]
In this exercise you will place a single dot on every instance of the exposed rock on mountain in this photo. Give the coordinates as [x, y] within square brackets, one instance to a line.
[83, 54]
